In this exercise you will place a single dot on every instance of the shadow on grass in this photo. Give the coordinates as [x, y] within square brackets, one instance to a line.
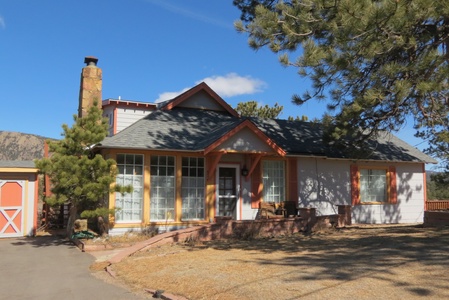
[353, 254]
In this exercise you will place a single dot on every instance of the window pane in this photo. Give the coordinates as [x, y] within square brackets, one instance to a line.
[171, 171]
[138, 170]
[138, 159]
[120, 158]
[273, 177]
[129, 159]
[162, 196]
[129, 204]
[373, 185]
[153, 160]
[193, 188]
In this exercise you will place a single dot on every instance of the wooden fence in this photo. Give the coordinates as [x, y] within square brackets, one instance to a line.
[437, 204]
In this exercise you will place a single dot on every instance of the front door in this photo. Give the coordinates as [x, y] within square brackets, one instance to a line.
[228, 199]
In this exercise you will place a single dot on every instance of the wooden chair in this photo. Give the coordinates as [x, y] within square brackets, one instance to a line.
[271, 210]
[267, 210]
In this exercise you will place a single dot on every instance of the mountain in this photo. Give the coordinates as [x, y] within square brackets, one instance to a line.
[21, 146]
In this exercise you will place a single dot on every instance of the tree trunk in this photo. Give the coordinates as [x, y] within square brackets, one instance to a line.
[72, 218]
[102, 226]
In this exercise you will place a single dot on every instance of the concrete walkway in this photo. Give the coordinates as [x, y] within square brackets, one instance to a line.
[51, 268]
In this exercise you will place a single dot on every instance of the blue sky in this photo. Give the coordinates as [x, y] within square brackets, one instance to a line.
[148, 49]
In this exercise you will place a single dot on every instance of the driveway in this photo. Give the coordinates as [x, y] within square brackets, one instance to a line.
[51, 268]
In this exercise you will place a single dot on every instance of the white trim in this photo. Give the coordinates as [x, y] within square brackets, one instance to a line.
[237, 188]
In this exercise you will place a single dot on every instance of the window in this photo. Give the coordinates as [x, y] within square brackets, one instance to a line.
[373, 185]
[193, 183]
[162, 196]
[273, 179]
[130, 172]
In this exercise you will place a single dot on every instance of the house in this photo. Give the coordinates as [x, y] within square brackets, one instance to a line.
[193, 158]
[18, 198]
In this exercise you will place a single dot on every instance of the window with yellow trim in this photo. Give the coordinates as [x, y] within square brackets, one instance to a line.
[129, 173]
[162, 184]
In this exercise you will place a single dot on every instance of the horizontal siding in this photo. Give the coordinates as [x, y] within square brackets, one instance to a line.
[108, 113]
[126, 117]
[323, 184]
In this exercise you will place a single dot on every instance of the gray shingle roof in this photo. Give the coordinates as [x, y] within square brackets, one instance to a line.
[178, 129]
[305, 138]
[195, 130]
[17, 164]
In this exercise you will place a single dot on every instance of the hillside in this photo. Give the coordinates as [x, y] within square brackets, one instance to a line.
[20, 146]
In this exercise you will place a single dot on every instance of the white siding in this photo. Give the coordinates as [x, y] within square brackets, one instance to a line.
[410, 206]
[128, 116]
[325, 183]
[31, 210]
[108, 113]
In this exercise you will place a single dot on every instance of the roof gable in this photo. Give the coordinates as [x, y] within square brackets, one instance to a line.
[240, 137]
[200, 97]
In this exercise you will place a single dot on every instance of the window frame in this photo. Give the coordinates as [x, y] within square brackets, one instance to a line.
[283, 187]
[122, 198]
[356, 185]
[163, 179]
[189, 168]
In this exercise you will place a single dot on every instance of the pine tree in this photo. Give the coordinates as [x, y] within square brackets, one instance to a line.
[377, 62]
[252, 109]
[78, 175]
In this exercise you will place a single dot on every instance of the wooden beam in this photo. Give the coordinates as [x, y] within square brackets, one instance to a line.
[253, 165]
[213, 166]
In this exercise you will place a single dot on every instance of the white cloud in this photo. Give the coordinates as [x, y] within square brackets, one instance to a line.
[233, 84]
[169, 95]
[229, 85]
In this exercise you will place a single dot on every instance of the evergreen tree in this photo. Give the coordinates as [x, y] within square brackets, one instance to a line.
[252, 109]
[298, 118]
[77, 174]
[377, 62]
[437, 187]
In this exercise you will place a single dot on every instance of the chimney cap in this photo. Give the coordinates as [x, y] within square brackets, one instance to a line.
[90, 60]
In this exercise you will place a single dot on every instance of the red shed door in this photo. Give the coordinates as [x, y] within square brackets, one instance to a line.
[11, 208]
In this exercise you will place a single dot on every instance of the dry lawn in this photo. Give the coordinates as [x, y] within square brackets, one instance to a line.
[390, 262]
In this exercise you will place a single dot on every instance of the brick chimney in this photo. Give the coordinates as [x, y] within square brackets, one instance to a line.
[90, 86]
